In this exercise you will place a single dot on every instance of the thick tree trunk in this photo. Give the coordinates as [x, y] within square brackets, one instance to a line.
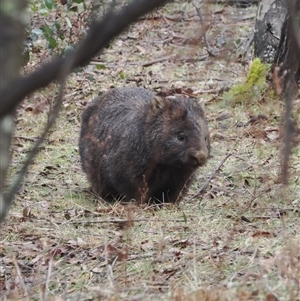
[270, 17]
[13, 21]
[286, 75]
[288, 53]
[277, 41]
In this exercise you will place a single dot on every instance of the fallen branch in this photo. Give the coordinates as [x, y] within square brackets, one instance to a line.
[174, 57]
[158, 60]
[118, 221]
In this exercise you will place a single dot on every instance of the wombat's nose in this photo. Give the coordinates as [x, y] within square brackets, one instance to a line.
[199, 157]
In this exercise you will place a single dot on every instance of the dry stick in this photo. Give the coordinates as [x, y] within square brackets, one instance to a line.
[32, 139]
[296, 209]
[203, 187]
[210, 91]
[251, 202]
[208, 48]
[158, 60]
[171, 57]
[20, 276]
[248, 44]
[154, 61]
[121, 221]
[140, 256]
[192, 59]
[48, 278]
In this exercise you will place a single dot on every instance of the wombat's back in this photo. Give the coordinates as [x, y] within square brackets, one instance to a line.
[117, 111]
[136, 146]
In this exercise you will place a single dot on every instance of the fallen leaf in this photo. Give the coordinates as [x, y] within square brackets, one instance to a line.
[271, 297]
[262, 233]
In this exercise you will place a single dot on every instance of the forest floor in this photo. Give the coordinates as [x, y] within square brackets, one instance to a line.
[237, 239]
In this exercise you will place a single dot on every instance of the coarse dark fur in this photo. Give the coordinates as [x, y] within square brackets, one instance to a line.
[134, 145]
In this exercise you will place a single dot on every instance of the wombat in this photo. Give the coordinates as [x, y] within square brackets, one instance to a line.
[137, 146]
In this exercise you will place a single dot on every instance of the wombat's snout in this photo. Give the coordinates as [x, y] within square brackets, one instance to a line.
[198, 158]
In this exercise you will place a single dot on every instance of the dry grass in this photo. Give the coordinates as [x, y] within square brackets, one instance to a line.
[237, 240]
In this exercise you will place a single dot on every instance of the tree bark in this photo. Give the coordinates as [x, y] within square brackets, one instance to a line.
[277, 41]
[269, 19]
[287, 56]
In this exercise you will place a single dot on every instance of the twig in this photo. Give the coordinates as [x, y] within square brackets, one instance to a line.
[32, 139]
[20, 276]
[248, 44]
[152, 62]
[204, 186]
[48, 278]
[297, 209]
[172, 57]
[140, 256]
[158, 60]
[121, 221]
[208, 48]
[210, 91]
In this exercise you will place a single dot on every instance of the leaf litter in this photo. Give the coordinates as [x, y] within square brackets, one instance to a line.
[60, 242]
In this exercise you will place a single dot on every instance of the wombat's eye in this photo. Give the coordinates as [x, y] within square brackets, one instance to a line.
[181, 137]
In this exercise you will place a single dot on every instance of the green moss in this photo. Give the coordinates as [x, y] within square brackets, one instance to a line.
[254, 86]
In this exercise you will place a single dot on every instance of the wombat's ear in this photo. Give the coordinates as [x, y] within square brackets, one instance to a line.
[157, 103]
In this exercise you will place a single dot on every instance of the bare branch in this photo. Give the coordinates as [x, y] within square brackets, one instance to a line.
[100, 33]
[53, 114]
[204, 28]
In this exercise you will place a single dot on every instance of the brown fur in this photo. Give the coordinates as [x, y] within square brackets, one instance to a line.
[134, 145]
